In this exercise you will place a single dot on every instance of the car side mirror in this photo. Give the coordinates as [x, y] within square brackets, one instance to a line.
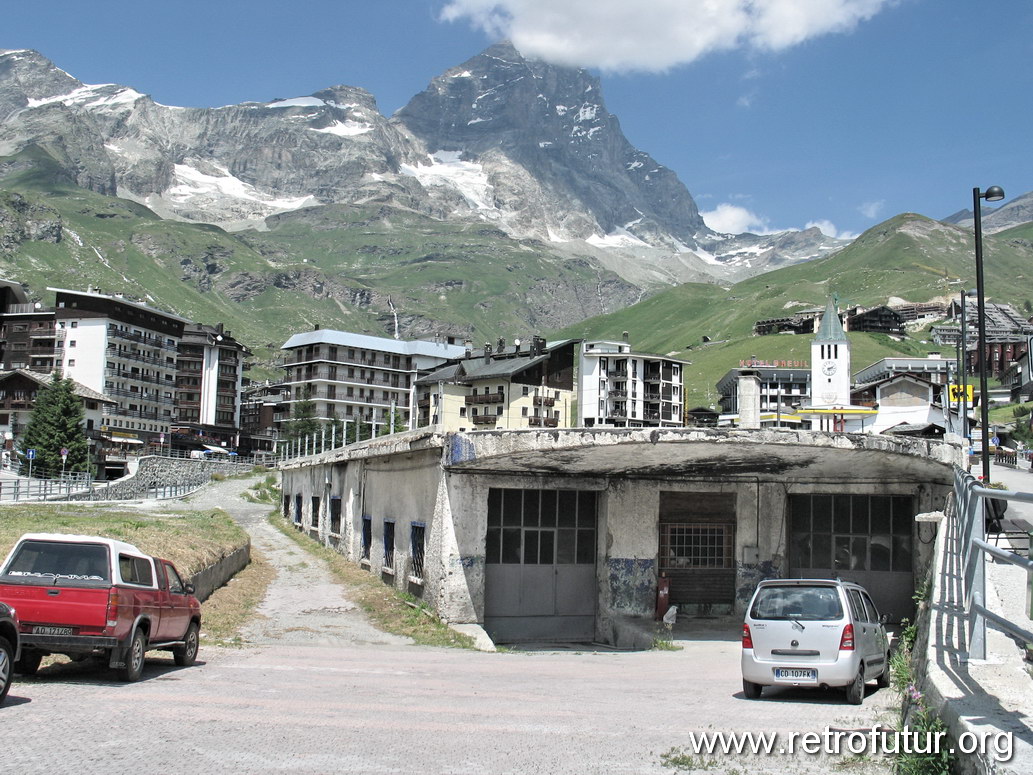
[884, 618]
[189, 589]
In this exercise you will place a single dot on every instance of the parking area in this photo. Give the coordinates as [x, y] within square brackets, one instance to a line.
[322, 708]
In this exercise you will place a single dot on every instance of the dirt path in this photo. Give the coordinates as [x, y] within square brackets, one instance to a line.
[304, 604]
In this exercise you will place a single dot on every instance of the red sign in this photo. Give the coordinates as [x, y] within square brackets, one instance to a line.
[774, 364]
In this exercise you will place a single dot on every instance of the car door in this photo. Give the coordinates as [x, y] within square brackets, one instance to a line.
[177, 605]
[880, 643]
[865, 635]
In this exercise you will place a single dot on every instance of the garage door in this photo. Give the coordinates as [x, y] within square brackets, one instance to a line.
[697, 549]
[862, 538]
[539, 580]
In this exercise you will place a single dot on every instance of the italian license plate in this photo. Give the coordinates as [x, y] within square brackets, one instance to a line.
[796, 674]
[46, 630]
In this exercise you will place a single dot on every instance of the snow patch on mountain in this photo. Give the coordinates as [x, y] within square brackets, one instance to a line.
[297, 102]
[447, 169]
[345, 128]
[92, 96]
[192, 184]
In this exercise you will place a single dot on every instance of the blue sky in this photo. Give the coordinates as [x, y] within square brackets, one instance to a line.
[776, 114]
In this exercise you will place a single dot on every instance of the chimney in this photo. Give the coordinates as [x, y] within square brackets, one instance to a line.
[315, 327]
[502, 345]
[469, 347]
[487, 352]
[625, 336]
[748, 389]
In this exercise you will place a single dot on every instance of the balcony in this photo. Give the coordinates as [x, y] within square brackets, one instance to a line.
[490, 398]
[485, 419]
[146, 339]
[617, 373]
[617, 394]
[543, 422]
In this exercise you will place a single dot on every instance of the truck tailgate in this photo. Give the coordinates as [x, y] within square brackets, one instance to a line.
[79, 607]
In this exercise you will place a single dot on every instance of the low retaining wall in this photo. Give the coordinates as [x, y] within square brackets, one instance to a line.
[209, 579]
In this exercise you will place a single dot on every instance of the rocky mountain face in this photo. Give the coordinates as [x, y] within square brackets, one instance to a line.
[1014, 213]
[525, 146]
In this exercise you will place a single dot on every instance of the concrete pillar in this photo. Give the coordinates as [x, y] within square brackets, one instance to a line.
[748, 389]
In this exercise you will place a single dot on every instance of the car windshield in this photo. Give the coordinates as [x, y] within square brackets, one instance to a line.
[66, 563]
[812, 604]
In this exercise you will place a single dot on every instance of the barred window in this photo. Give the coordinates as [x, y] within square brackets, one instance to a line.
[417, 537]
[695, 545]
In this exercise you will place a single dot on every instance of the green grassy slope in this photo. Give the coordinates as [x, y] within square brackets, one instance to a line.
[363, 269]
[909, 257]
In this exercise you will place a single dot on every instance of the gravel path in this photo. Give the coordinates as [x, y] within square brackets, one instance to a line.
[304, 604]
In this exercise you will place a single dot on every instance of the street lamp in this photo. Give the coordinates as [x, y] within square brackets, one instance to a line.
[992, 194]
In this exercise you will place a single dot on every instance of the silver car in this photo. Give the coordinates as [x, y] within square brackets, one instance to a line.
[813, 632]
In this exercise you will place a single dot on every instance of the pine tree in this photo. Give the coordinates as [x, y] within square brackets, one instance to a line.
[303, 422]
[56, 423]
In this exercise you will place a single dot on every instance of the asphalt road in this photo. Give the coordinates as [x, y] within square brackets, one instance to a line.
[329, 694]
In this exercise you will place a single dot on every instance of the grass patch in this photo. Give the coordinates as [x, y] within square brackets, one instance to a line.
[265, 491]
[224, 614]
[683, 761]
[191, 540]
[392, 611]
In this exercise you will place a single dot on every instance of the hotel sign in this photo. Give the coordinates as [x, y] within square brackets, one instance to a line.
[752, 364]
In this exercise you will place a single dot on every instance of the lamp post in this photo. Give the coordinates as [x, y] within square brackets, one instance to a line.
[992, 194]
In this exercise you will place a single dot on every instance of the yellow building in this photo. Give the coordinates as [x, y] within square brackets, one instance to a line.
[502, 387]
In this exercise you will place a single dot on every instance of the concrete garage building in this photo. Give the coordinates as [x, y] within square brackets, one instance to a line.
[562, 535]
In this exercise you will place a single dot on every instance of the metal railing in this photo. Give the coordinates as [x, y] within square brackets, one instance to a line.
[16, 490]
[972, 510]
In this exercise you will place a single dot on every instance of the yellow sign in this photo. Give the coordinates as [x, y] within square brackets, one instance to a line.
[959, 391]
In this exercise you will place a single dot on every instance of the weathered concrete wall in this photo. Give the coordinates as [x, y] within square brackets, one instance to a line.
[443, 481]
[156, 471]
[209, 579]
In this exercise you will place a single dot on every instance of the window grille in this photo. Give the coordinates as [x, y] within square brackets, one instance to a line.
[335, 515]
[389, 544]
[315, 512]
[695, 545]
[367, 536]
[417, 533]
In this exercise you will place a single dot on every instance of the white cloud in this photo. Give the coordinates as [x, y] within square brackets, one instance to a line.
[871, 209]
[733, 219]
[728, 218]
[654, 35]
[828, 228]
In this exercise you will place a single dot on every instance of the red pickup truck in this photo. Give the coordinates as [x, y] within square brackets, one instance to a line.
[91, 596]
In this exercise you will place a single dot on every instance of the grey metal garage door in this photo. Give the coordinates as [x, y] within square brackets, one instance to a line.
[539, 581]
[862, 538]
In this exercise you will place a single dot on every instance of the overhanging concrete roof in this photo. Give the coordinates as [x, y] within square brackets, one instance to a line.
[692, 453]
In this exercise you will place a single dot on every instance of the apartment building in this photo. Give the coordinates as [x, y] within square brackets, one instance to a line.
[125, 350]
[359, 377]
[209, 375]
[621, 388]
[502, 387]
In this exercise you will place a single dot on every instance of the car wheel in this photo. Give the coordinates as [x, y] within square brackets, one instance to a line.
[133, 667]
[855, 691]
[186, 654]
[6, 667]
[29, 663]
[751, 690]
[883, 681]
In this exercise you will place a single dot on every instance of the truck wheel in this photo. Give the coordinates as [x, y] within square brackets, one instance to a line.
[29, 663]
[6, 667]
[185, 655]
[133, 668]
[855, 691]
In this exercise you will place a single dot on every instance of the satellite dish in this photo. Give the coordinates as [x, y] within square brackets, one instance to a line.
[38, 305]
[516, 342]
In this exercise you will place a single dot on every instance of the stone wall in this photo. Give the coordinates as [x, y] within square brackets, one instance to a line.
[209, 579]
[161, 472]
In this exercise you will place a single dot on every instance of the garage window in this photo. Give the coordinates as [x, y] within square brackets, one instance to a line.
[541, 527]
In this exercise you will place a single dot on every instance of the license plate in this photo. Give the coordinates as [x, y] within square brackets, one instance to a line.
[796, 674]
[42, 630]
